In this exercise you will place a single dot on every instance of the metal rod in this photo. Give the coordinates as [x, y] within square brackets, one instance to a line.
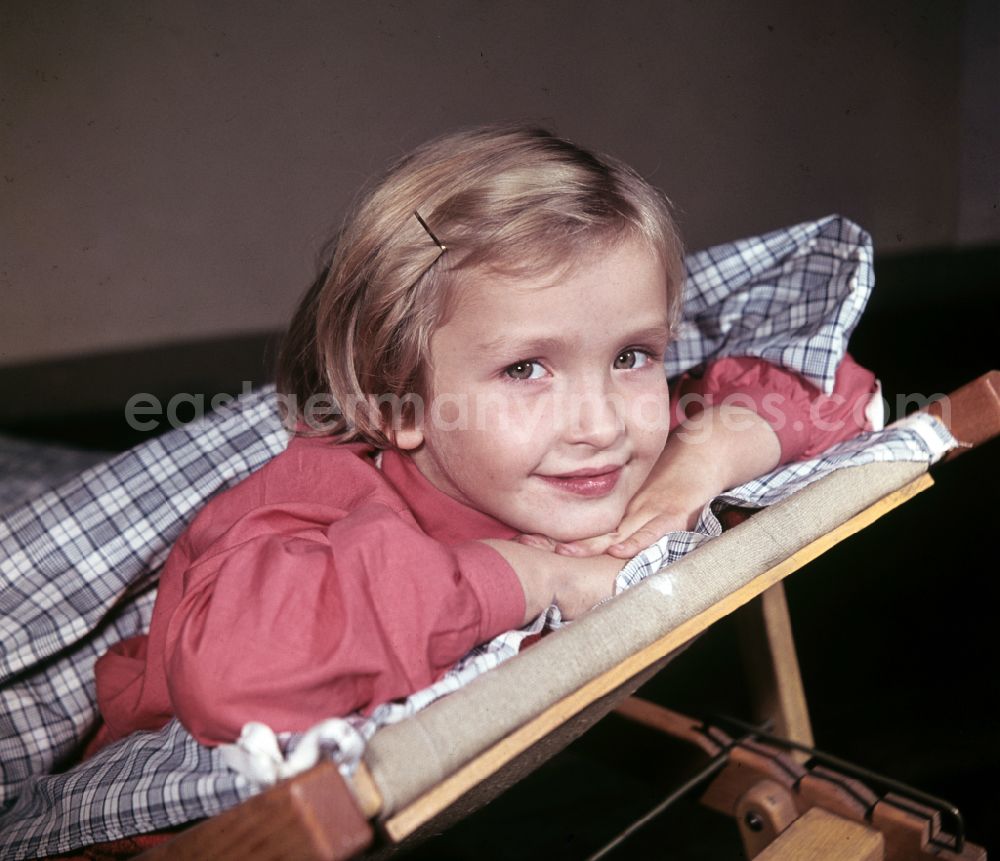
[910, 792]
[713, 766]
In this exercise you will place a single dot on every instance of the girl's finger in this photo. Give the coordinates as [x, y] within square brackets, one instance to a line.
[542, 542]
[648, 534]
[588, 546]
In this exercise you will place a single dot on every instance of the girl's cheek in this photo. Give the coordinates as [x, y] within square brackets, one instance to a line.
[648, 410]
[450, 412]
[514, 415]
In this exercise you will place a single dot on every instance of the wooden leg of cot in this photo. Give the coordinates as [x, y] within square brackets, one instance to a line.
[765, 632]
[818, 834]
[312, 817]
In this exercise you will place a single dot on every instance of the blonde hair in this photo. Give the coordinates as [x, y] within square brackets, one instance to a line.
[515, 199]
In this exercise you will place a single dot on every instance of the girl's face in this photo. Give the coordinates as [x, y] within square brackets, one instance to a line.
[547, 403]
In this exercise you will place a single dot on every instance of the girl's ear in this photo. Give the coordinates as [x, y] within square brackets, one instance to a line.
[409, 437]
[403, 424]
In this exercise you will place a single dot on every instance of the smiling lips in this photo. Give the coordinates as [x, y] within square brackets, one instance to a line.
[586, 482]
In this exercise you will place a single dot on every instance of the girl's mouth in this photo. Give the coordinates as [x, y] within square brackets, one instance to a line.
[600, 484]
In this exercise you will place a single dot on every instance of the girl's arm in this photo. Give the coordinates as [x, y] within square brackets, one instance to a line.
[740, 419]
[313, 618]
[317, 619]
[573, 585]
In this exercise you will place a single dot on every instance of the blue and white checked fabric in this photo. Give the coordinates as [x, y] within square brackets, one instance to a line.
[792, 297]
[78, 562]
[29, 469]
[77, 573]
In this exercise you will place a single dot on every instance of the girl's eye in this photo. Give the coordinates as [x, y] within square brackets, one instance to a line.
[525, 371]
[630, 360]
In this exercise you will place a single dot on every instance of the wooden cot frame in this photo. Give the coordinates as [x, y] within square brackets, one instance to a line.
[783, 809]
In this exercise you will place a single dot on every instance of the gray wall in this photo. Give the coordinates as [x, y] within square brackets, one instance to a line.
[979, 181]
[171, 169]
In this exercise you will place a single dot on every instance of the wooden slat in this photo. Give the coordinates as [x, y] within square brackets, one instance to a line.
[436, 800]
[972, 413]
[667, 721]
[312, 817]
[822, 836]
[366, 792]
[768, 652]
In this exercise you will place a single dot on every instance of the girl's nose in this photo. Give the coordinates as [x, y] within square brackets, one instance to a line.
[595, 417]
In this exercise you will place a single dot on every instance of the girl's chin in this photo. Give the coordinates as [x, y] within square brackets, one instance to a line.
[578, 531]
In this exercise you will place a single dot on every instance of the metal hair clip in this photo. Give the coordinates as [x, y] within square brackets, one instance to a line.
[436, 241]
[430, 233]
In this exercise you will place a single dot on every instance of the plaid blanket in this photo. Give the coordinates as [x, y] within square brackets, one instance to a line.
[79, 561]
[29, 469]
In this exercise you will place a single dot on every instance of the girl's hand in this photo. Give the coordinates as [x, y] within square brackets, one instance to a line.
[723, 447]
[582, 584]
[573, 585]
[645, 522]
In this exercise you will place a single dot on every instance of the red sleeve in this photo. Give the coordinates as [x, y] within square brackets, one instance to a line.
[316, 620]
[806, 420]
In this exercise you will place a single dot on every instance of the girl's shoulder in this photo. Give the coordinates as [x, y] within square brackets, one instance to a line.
[311, 471]
[313, 468]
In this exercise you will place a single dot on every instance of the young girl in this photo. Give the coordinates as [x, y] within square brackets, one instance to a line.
[491, 332]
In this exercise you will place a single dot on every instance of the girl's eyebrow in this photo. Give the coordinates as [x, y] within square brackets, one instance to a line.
[658, 333]
[522, 347]
[505, 346]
